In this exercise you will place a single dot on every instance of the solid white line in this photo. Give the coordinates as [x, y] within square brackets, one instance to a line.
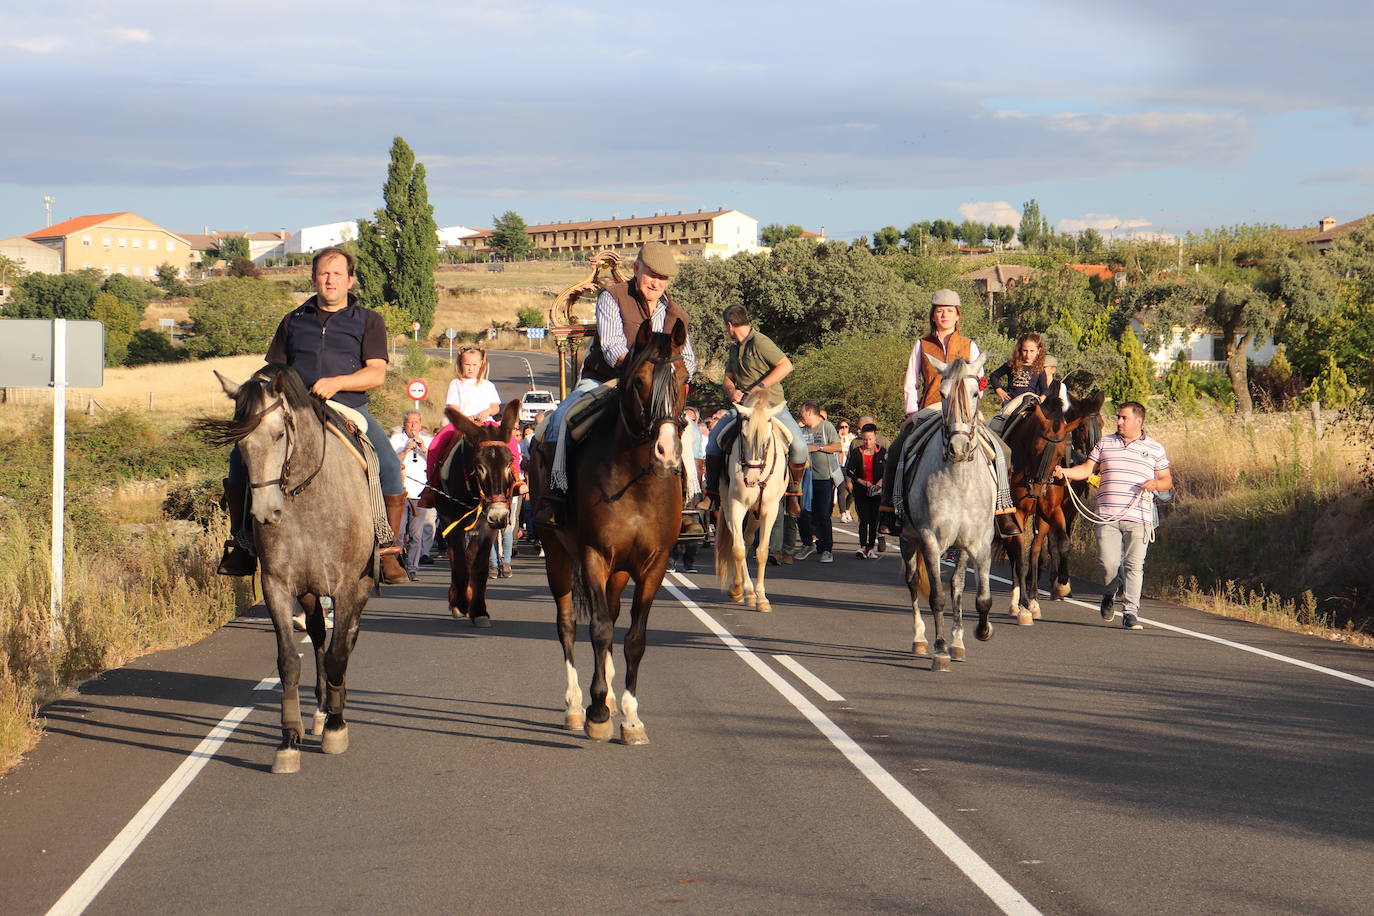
[998, 890]
[683, 580]
[1253, 650]
[98, 874]
[821, 687]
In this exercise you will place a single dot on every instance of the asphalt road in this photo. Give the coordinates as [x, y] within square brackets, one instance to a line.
[1068, 767]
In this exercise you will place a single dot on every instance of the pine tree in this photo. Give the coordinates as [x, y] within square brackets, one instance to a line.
[398, 249]
[1135, 380]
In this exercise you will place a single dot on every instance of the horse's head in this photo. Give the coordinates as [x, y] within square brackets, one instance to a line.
[267, 410]
[489, 467]
[1089, 410]
[653, 393]
[756, 435]
[960, 391]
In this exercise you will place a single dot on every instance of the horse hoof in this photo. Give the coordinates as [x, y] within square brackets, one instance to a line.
[457, 613]
[1035, 609]
[599, 731]
[483, 621]
[736, 597]
[335, 741]
[983, 633]
[939, 663]
[633, 734]
[1062, 591]
[1025, 619]
[763, 607]
[920, 648]
[288, 760]
[317, 726]
[957, 654]
[574, 721]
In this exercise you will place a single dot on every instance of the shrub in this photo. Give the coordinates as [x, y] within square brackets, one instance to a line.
[1134, 381]
[195, 501]
[131, 292]
[235, 316]
[149, 346]
[1332, 388]
[1277, 386]
[242, 267]
[529, 317]
[52, 296]
[857, 376]
[120, 320]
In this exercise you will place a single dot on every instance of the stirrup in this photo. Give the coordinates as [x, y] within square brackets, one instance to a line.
[236, 561]
[1007, 524]
[549, 512]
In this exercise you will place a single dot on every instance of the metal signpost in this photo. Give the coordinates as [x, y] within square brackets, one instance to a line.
[450, 334]
[415, 328]
[36, 354]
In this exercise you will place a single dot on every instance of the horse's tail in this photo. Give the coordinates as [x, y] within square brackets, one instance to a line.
[922, 578]
[581, 595]
[725, 548]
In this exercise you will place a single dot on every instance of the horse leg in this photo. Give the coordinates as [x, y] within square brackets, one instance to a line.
[1033, 569]
[631, 728]
[347, 610]
[1059, 554]
[956, 608]
[602, 627]
[457, 576]
[479, 571]
[764, 527]
[280, 605]
[748, 526]
[558, 571]
[738, 573]
[913, 567]
[615, 586]
[982, 564]
[929, 554]
[1023, 587]
[314, 627]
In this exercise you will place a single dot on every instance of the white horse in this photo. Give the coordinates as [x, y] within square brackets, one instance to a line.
[754, 480]
[949, 503]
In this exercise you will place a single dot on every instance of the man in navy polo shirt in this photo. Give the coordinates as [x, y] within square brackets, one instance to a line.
[339, 350]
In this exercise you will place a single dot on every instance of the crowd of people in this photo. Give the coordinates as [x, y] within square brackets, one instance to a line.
[835, 468]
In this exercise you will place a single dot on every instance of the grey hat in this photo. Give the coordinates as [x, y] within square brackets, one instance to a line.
[658, 257]
[1051, 362]
[945, 297]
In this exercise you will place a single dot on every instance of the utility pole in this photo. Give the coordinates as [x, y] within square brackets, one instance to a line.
[47, 206]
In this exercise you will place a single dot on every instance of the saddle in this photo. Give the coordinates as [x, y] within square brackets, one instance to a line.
[926, 430]
[727, 438]
[1010, 415]
[582, 416]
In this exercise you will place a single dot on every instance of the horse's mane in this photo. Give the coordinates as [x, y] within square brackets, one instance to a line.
[661, 389]
[259, 386]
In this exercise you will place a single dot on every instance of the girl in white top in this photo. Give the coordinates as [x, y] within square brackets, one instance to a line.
[470, 392]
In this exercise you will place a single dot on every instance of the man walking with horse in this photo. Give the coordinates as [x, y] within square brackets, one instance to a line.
[1133, 468]
[754, 363]
[339, 350]
[620, 310]
[922, 391]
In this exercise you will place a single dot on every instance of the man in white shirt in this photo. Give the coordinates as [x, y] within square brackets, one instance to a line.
[411, 446]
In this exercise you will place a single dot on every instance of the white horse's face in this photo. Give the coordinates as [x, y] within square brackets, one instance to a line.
[264, 453]
[960, 392]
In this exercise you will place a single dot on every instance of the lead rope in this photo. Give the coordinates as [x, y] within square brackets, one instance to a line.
[1099, 520]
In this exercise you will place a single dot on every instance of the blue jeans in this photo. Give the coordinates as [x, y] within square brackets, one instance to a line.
[797, 453]
[503, 544]
[389, 466]
[555, 422]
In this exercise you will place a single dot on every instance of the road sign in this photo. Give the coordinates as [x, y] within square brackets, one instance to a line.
[451, 333]
[534, 333]
[415, 325]
[417, 390]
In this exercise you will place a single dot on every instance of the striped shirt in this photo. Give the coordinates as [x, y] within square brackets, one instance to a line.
[1124, 466]
[610, 330]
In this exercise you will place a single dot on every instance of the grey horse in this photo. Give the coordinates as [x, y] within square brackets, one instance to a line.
[949, 502]
[313, 534]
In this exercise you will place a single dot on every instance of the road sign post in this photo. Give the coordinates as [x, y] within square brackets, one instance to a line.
[415, 329]
[450, 334]
[417, 390]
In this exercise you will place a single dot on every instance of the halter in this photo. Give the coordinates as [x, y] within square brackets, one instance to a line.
[284, 479]
[474, 485]
[657, 394]
[760, 462]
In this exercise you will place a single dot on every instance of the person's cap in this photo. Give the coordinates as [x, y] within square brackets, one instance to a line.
[658, 257]
[1051, 362]
[945, 297]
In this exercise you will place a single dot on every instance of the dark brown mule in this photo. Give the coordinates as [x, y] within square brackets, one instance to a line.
[1039, 443]
[624, 512]
[474, 505]
[313, 533]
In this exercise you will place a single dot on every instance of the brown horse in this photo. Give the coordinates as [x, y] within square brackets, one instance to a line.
[624, 514]
[1039, 443]
[474, 505]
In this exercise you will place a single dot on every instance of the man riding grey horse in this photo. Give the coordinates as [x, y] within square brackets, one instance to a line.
[620, 310]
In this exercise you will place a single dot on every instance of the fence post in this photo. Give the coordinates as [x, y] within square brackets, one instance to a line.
[1317, 417]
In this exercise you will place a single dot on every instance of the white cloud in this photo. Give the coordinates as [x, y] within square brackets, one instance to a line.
[35, 45]
[134, 35]
[999, 213]
[1102, 222]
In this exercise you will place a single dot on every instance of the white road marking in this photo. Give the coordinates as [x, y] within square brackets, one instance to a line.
[98, 874]
[683, 580]
[1253, 650]
[821, 687]
[998, 890]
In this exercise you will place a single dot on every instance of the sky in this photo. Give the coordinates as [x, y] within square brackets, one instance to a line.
[1131, 118]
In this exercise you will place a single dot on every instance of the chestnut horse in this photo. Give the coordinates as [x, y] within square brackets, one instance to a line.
[1039, 443]
[624, 513]
[474, 506]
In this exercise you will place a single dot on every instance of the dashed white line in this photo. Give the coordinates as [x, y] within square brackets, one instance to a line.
[983, 876]
[824, 690]
[98, 874]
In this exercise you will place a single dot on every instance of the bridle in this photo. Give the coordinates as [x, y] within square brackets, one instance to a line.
[660, 401]
[1049, 458]
[959, 416]
[757, 463]
[283, 480]
[473, 483]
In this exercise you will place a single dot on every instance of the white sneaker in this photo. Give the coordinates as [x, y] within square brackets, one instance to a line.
[872, 554]
[846, 518]
[826, 557]
[804, 552]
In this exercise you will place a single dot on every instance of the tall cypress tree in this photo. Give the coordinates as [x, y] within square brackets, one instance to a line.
[398, 248]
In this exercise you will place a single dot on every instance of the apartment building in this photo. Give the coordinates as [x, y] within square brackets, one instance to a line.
[123, 243]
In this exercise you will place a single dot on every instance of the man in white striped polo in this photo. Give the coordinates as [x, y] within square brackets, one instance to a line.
[1133, 467]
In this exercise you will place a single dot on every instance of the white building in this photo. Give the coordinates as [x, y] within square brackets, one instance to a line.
[1204, 349]
[314, 238]
[452, 236]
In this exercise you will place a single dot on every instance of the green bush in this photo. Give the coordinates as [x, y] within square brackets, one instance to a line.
[529, 317]
[149, 346]
[131, 292]
[234, 316]
[120, 320]
[195, 501]
[853, 377]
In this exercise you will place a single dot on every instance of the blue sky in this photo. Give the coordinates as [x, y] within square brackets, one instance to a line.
[1151, 118]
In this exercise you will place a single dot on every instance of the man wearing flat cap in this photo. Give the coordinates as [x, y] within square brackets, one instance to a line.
[620, 310]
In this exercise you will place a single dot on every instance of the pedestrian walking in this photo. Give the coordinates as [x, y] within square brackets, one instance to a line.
[864, 478]
[411, 446]
[823, 442]
[1134, 467]
[844, 497]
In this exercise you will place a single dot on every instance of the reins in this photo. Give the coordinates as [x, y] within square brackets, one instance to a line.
[284, 479]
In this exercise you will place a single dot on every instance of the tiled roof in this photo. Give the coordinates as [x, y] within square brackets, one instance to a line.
[623, 223]
[1001, 273]
[1100, 271]
[1336, 232]
[73, 225]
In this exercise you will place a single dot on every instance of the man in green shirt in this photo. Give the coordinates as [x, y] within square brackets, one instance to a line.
[754, 363]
